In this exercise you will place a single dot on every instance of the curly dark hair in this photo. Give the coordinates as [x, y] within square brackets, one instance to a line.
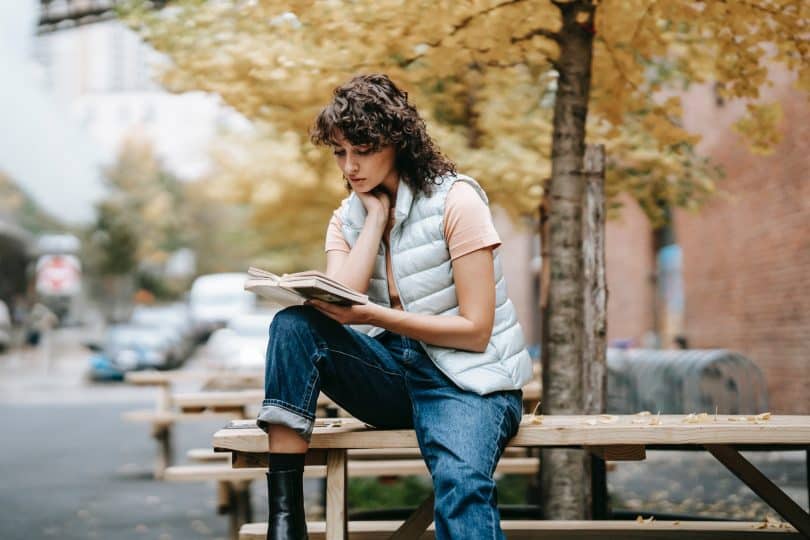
[371, 110]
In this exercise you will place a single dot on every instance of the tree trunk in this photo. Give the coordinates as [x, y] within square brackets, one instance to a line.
[565, 486]
[594, 380]
[594, 368]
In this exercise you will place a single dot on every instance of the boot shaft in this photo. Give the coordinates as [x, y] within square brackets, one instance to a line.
[285, 500]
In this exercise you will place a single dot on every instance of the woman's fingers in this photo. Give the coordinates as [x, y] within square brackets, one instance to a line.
[375, 201]
[327, 309]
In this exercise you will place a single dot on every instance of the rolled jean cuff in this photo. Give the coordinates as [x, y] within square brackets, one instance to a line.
[274, 411]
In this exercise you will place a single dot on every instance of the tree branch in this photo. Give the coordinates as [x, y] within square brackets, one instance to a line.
[463, 23]
[554, 36]
[640, 23]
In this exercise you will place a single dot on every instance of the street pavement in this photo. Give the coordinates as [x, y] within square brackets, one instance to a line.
[72, 469]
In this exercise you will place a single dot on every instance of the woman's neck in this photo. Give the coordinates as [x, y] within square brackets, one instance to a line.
[391, 186]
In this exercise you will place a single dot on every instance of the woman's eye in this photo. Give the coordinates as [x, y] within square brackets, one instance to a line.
[364, 151]
[338, 152]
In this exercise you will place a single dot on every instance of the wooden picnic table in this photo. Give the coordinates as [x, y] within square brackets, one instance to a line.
[245, 392]
[604, 436]
[165, 414]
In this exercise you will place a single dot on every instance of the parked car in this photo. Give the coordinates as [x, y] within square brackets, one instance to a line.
[242, 343]
[5, 327]
[129, 347]
[172, 319]
[216, 298]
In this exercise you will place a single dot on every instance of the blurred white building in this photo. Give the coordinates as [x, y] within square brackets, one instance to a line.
[103, 75]
[70, 96]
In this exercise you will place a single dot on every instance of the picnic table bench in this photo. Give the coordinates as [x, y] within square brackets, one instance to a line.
[606, 437]
[233, 484]
[165, 414]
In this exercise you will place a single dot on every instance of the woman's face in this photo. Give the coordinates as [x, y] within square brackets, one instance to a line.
[364, 168]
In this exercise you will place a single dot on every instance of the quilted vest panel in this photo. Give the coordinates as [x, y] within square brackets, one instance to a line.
[423, 273]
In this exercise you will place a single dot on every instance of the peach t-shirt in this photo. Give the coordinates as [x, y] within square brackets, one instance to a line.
[467, 227]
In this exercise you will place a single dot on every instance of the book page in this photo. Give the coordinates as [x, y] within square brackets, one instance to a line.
[316, 275]
[277, 295]
[259, 273]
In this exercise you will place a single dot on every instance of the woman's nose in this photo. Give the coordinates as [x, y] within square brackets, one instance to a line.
[350, 166]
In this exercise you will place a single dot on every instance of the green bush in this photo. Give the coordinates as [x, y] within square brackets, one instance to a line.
[383, 493]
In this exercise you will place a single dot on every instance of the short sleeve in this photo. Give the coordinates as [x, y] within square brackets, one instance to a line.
[467, 221]
[334, 236]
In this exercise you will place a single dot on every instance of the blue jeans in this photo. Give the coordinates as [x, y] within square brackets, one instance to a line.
[388, 381]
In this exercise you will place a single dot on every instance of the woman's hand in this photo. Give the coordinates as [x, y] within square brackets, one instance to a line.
[376, 202]
[358, 314]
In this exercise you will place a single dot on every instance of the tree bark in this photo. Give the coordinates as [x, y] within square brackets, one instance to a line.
[594, 380]
[594, 368]
[565, 486]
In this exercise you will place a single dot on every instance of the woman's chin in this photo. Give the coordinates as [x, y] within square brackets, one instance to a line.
[361, 187]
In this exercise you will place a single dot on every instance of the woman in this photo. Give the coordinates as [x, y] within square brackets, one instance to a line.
[438, 349]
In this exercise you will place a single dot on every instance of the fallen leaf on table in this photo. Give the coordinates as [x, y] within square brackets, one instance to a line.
[608, 418]
[757, 418]
[692, 418]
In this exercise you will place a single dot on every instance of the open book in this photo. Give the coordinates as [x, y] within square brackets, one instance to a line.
[293, 289]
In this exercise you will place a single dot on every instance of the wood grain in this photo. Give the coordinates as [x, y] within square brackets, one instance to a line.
[557, 430]
[568, 530]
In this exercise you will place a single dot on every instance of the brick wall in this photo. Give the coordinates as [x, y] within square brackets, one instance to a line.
[747, 254]
[629, 265]
[516, 255]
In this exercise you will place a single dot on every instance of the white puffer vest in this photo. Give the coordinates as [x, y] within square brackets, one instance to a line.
[423, 274]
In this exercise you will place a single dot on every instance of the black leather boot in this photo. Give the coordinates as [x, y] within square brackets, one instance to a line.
[285, 499]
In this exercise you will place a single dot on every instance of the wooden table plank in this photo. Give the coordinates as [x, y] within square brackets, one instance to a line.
[157, 378]
[568, 530]
[574, 431]
[233, 398]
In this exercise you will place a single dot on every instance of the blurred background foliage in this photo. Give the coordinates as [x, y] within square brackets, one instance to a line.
[21, 209]
[483, 74]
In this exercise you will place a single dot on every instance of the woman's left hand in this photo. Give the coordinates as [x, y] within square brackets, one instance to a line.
[357, 314]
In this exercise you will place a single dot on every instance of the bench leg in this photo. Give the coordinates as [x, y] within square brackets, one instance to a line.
[233, 498]
[762, 486]
[163, 436]
[243, 504]
[599, 493]
[227, 492]
[336, 513]
[417, 523]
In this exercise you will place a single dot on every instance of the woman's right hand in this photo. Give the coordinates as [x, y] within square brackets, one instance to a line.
[377, 204]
